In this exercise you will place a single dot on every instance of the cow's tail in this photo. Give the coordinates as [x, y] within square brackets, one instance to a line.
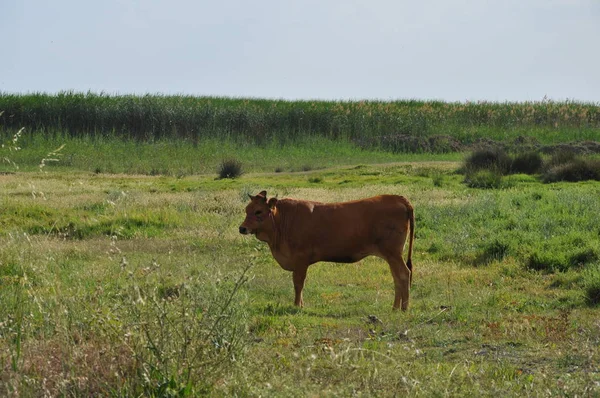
[411, 219]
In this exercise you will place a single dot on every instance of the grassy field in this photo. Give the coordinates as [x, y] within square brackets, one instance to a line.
[181, 158]
[122, 272]
[125, 284]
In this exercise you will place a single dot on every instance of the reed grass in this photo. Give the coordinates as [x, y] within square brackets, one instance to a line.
[155, 117]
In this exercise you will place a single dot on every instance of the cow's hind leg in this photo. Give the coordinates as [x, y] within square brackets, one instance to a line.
[401, 275]
[299, 277]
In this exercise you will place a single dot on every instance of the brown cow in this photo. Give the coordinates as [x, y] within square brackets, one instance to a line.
[300, 233]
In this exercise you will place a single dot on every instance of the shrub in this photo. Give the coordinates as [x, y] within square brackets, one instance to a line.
[561, 158]
[494, 159]
[575, 170]
[230, 168]
[527, 163]
[485, 179]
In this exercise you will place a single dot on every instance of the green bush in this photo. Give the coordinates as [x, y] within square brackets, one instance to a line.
[484, 168]
[484, 179]
[493, 159]
[560, 158]
[527, 163]
[230, 168]
[576, 169]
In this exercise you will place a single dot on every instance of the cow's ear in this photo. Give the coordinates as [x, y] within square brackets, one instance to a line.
[250, 196]
[272, 202]
[263, 194]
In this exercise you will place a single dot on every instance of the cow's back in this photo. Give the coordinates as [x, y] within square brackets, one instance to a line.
[342, 232]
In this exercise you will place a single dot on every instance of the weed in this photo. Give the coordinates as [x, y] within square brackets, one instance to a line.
[183, 336]
[52, 157]
[12, 146]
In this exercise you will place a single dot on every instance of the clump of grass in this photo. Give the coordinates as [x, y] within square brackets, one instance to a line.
[495, 250]
[484, 168]
[548, 262]
[484, 179]
[591, 285]
[560, 158]
[230, 168]
[583, 256]
[562, 261]
[493, 159]
[576, 169]
[315, 180]
[527, 163]
[437, 179]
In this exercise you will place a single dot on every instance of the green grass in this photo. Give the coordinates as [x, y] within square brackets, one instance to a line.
[184, 158]
[138, 300]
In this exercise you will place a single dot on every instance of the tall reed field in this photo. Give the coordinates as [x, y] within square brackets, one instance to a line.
[366, 123]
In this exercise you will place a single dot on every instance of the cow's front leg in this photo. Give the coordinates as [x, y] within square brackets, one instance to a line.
[299, 276]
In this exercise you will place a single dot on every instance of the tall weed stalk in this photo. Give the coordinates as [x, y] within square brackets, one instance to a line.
[183, 335]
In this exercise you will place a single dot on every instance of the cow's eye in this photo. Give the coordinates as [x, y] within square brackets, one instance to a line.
[257, 212]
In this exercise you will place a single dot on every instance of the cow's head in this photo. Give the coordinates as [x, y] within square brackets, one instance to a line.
[258, 212]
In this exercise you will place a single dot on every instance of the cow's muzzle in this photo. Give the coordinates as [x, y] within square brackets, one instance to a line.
[244, 231]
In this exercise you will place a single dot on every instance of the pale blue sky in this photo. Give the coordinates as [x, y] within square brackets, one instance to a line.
[509, 50]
